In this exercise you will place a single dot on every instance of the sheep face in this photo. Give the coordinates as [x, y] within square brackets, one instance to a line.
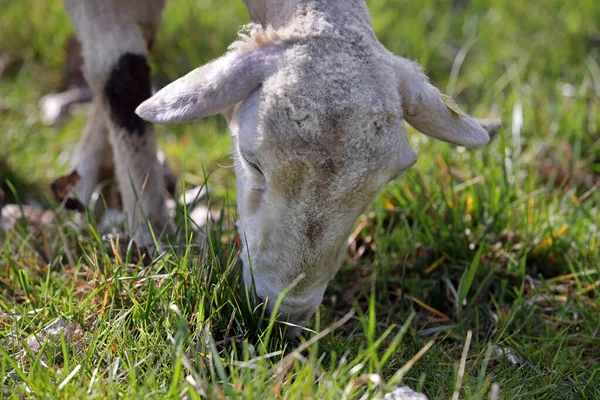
[305, 173]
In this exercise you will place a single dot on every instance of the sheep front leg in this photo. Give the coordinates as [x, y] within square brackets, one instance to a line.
[116, 67]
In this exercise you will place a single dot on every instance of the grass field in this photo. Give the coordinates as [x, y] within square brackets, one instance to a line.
[502, 242]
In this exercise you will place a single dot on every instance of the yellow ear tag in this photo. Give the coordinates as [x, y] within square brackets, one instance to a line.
[452, 106]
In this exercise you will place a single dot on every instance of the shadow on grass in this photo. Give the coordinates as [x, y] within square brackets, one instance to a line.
[15, 187]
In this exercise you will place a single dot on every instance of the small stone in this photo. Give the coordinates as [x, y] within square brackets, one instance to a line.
[71, 331]
[35, 218]
[404, 393]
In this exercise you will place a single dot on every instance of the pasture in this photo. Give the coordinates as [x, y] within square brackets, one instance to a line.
[475, 275]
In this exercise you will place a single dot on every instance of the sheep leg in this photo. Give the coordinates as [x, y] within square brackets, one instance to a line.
[115, 66]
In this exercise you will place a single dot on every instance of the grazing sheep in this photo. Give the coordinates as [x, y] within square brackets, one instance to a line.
[316, 109]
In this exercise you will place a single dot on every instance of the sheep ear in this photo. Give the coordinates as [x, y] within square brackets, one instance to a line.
[212, 88]
[433, 113]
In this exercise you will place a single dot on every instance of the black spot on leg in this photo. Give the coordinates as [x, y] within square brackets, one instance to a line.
[126, 88]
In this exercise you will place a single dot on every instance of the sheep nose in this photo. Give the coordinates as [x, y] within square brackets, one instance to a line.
[290, 321]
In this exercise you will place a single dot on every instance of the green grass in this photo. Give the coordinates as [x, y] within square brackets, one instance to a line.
[502, 241]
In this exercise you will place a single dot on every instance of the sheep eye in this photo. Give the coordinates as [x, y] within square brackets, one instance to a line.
[252, 164]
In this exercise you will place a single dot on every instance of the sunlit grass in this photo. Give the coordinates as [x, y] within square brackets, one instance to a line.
[501, 241]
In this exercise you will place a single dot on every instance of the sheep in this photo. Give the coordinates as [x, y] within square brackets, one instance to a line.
[315, 107]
